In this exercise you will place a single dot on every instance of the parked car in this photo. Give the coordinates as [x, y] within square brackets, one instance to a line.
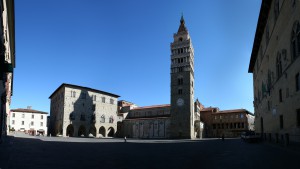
[250, 136]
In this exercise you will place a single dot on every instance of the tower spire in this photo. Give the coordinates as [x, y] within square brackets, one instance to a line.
[181, 19]
[182, 27]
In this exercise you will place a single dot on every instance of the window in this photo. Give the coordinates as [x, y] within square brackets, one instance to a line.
[242, 116]
[111, 119]
[237, 116]
[82, 117]
[94, 107]
[23, 115]
[102, 120]
[267, 38]
[32, 123]
[280, 95]
[13, 115]
[13, 122]
[281, 121]
[180, 69]
[73, 94]
[214, 126]
[94, 97]
[42, 117]
[293, 3]
[297, 79]
[220, 117]
[180, 81]
[22, 122]
[179, 91]
[215, 117]
[32, 116]
[111, 101]
[278, 66]
[103, 99]
[295, 41]
[298, 117]
[72, 116]
[41, 124]
[276, 9]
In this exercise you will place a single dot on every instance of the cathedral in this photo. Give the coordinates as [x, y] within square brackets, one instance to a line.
[181, 118]
[80, 111]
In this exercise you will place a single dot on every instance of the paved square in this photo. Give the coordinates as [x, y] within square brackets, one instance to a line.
[57, 152]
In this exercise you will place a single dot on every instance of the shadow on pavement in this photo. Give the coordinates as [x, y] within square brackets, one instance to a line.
[114, 153]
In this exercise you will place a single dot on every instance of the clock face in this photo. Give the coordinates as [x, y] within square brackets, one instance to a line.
[180, 102]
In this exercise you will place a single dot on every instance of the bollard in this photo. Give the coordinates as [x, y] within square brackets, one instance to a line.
[287, 139]
[125, 140]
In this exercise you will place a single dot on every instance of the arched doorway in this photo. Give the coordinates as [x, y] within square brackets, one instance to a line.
[92, 131]
[70, 130]
[111, 132]
[102, 131]
[81, 131]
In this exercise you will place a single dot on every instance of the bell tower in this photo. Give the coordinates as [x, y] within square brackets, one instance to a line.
[182, 84]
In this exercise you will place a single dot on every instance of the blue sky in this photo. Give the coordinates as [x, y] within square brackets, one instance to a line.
[123, 47]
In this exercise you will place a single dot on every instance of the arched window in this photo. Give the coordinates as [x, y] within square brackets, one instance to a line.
[111, 119]
[102, 119]
[73, 94]
[278, 65]
[180, 81]
[295, 40]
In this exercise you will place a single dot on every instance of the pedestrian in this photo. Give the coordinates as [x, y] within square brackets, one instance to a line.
[125, 140]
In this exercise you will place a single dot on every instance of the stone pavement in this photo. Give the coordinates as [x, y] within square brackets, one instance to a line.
[58, 153]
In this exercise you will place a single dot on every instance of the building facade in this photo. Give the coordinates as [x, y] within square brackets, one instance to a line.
[82, 111]
[229, 123]
[7, 61]
[148, 122]
[275, 65]
[28, 120]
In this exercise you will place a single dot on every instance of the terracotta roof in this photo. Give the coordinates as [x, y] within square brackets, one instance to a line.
[233, 111]
[208, 109]
[152, 107]
[147, 118]
[28, 111]
[260, 28]
[81, 87]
